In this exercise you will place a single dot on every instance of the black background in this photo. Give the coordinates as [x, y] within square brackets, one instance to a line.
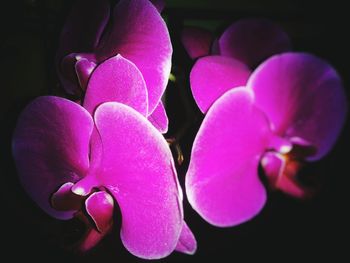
[286, 229]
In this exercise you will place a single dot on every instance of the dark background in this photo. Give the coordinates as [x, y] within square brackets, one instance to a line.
[286, 229]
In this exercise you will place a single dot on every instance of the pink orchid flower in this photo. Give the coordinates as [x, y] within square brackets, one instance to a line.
[291, 111]
[84, 161]
[135, 30]
[249, 40]
[236, 52]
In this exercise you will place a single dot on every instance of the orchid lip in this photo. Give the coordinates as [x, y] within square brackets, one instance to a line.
[283, 163]
[94, 209]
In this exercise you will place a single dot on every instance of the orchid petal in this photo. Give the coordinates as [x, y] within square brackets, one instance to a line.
[212, 76]
[65, 200]
[99, 207]
[67, 74]
[83, 69]
[138, 171]
[222, 182]
[116, 79]
[187, 242]
[197, 41]
[281, 174]
[51, 147]
[253, 40]
[303, 97]
[90, 18]
[140, 35]
[159, 119]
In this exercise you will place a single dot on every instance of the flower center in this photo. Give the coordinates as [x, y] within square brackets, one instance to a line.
[94, 207]
[282, 163]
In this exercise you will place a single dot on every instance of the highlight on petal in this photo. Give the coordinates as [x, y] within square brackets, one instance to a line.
[222, 182]
[138, 173]
[303, 97]
[159, 119]
[51, 147]
[253, 40]
[197, 41]
[116, 79]
[212, 76]
[140, 35]
[187, 242]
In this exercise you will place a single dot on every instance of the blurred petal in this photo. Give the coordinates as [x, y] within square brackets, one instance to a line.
[116, 79]
[159, 119]
[159, 4]
[51, 147]
[67, 74]
[81, 33]
[83, 27]
[222, 182]
[138, 171]
[197, 41]
[187, 242]
[140, 35]
[303, 97]
[212, 76]
[253, 40]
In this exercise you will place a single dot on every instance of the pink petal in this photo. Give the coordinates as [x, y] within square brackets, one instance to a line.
[212, 76]
[222, 182]
[281, 174]
[187, 242]
[83, 69]
[138, 171]
[81, 33]
[140, 35]
[253, 40]
[51, 147]
[159, 119]
[116, 79]
[65, 200]
[197, 41]
[303, 97]
[99, 207]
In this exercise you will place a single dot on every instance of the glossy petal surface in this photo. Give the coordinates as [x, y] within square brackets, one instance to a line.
[51, 147]
[253, 40]
[303, 97]
[138, 170]
[116, 79]
[212, 76]
[222, 182]
[140, 35]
